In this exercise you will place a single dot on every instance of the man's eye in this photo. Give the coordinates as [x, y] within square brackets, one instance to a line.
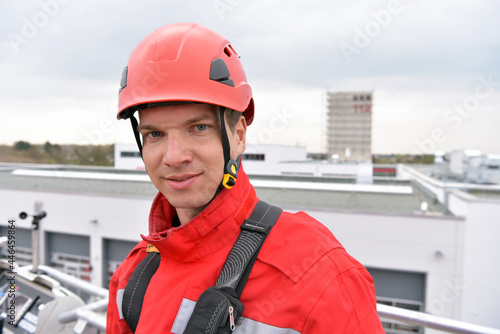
[154, 134]
[201, 127]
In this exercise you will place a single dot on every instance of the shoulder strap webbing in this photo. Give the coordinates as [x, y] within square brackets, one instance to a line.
[241, 259]
[137, 285]
[234, 274]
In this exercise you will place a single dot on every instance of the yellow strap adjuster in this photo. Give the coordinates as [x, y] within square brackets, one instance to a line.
[152, 249]
[229, 179]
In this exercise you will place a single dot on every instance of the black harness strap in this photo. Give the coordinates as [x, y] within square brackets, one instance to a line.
[234, 274]
[241, 259]
[219, 309]
[135, 290]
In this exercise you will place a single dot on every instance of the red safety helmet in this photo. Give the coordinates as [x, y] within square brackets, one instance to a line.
[184, 62]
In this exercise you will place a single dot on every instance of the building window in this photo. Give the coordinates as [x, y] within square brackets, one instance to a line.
[114, 252]
[111, 268]
[401, 289]
[24, 252]
[251, 156]
[74, 265]
[384, 171]
[125, 154]
[391, 326]
[24, 256]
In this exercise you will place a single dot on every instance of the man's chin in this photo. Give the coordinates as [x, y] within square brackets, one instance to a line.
[187, 201]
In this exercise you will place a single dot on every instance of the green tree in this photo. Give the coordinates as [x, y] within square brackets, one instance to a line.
[49, 148]
[21, 145]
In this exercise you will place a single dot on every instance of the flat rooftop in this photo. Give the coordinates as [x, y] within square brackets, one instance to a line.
[384, 194]
[479, 190]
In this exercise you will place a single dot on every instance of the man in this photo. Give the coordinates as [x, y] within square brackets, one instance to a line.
[194, 105]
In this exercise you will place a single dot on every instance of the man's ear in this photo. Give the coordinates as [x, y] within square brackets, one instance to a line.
[239, 138]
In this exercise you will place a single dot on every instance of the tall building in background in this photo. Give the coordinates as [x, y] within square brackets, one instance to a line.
[349, 125]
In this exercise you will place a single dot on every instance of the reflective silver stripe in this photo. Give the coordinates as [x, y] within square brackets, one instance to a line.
[183, 315]
[246, 326]
[119, 301]
[249, 326]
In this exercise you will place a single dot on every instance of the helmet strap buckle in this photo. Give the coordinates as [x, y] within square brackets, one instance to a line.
[230, 165]
[230, 174]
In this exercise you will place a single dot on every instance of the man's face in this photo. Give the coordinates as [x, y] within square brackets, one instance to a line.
[182, 151]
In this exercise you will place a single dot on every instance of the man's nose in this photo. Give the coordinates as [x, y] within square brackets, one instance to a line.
[176, 151]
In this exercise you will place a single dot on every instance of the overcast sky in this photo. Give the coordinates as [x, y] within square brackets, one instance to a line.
[434, 67]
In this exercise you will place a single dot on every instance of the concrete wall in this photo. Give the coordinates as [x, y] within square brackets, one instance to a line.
[481, 269]
[95, 216]
[476, 284]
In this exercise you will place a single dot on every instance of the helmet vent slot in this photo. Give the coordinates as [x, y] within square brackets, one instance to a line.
[220, 73]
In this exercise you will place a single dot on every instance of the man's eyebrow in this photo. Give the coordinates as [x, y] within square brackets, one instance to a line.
[200, 118]
[145, 127]
[195, 119]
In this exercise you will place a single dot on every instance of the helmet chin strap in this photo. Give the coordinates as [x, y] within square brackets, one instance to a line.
[137, 135]
[230, 166]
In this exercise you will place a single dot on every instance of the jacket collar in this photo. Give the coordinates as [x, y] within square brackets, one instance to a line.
[213, 228]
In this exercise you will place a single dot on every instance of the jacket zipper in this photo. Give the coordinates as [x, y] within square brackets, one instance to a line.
[231, 318]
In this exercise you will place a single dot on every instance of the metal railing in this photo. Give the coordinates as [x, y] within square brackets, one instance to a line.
[432, 321]
[88, 315]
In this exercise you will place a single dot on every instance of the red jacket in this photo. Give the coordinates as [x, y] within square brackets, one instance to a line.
[302, 282]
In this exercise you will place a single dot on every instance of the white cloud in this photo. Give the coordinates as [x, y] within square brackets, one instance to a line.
[426, 58]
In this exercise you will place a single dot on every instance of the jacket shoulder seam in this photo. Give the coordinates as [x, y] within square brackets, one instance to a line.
[338, 276]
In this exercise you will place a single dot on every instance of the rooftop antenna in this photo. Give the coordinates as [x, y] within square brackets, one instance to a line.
[35, 233]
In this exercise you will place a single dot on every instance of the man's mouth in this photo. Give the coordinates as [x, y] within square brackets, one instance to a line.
[180, 182]
[179, 179]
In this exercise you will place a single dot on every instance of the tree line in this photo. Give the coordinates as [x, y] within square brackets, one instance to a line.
[48, 153]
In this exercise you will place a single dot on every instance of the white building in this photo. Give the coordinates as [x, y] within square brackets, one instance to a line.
[268, 160]
[127, 156]
[349, 126]
[430, 246]
[474, 167]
